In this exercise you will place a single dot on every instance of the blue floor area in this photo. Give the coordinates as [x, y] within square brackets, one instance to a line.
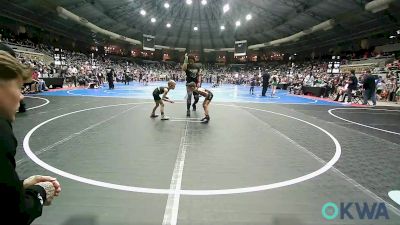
[224, 93]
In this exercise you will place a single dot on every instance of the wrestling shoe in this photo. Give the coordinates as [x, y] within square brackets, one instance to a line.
[205, 119]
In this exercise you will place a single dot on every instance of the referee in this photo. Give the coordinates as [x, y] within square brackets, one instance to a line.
[192, 71]
[265, 83]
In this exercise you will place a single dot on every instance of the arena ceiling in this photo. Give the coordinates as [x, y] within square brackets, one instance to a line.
[270, 20]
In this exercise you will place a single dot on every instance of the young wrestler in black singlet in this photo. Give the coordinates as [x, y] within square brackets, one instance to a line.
[159, 101]
[208, 97]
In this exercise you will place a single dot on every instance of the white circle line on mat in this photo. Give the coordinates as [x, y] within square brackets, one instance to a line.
[360, 124]
[46, 101]
[300, 179]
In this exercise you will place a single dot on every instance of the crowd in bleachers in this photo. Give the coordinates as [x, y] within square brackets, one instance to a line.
[79, 71]
[89, 71]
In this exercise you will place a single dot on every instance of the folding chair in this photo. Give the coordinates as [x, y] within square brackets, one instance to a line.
[358, 98]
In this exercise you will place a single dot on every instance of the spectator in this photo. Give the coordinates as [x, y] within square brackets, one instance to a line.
[41, 84]
[380, 85]
[352, 85]
[392, 87]
[309, 80]
[252, 84]
[23, 200]
[74, 74]
[342, 92]
[369, 86]
[284, 82]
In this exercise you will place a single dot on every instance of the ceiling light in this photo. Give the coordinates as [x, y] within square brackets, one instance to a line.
[222, 27]
[225, 8]
[166, 5]
[195, 28]
[168, 25]
[398, 32]
[237, 23]
[153, 20]
[189, 2]
[142, 12]
[204, 2]
[248, 17]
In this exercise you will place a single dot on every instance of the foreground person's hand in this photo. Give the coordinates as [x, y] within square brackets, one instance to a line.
[33, 180]
[50, 191]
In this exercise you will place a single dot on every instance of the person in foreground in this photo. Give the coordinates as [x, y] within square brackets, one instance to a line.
[23, 200]
[159, 101]
[205, 93]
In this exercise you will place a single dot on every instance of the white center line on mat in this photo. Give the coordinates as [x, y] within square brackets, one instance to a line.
[45, 149]
[189, 121]
[172, 207]
[187, 118]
